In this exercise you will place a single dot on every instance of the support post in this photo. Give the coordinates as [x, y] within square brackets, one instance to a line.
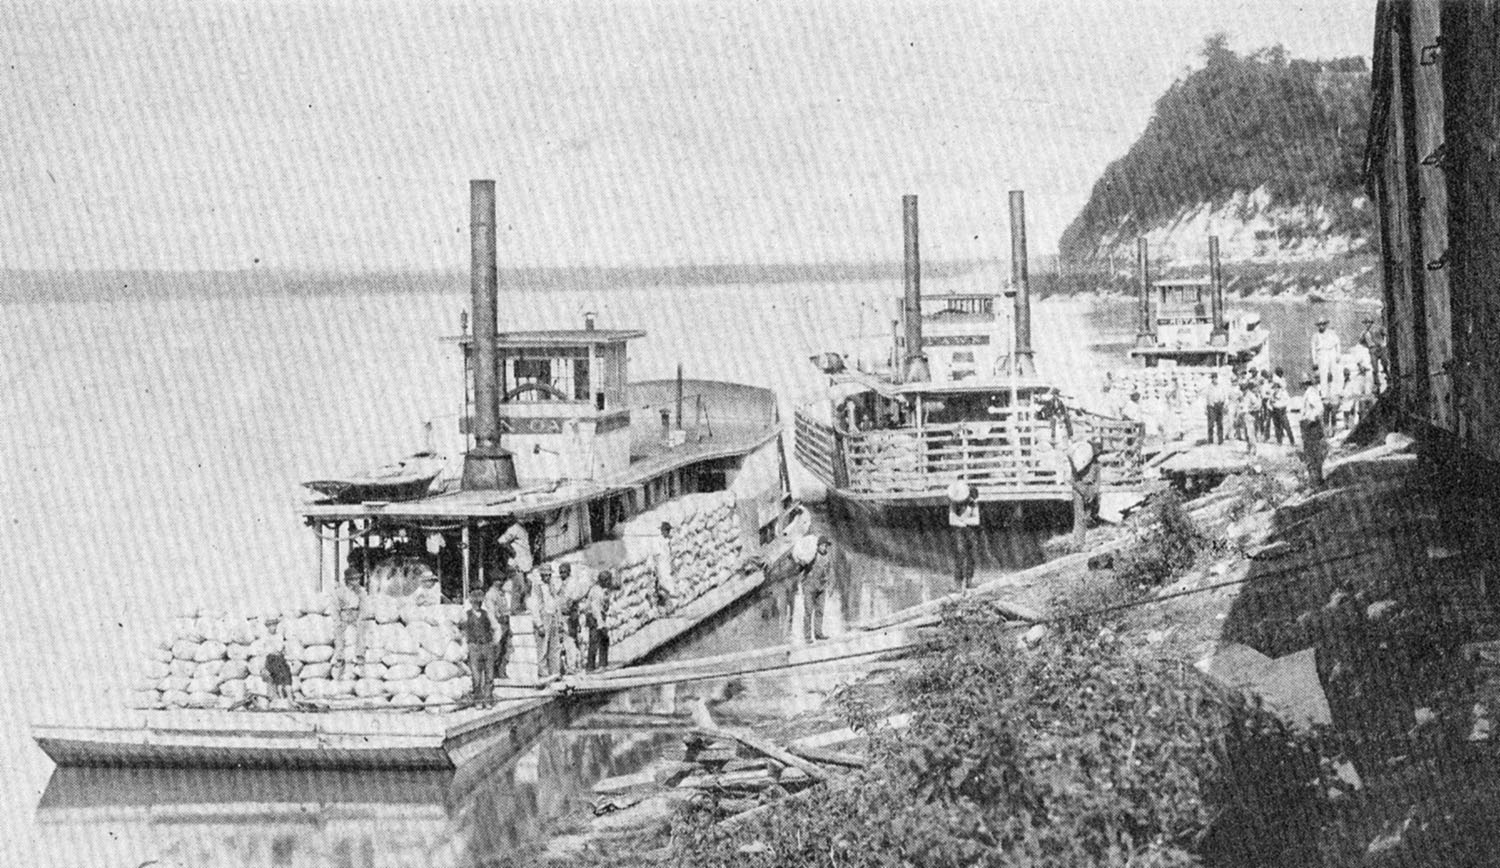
[322, 570]
[464, 547]
[1146, 336]
[1219, 336]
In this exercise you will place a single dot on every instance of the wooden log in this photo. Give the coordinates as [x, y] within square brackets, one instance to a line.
[829, 757]
[770, 749]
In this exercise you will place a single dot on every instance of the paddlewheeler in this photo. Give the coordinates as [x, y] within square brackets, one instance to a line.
[566, 461]
[1184, 336]
[958, 400]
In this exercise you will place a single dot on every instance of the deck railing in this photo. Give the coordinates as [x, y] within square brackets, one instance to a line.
[1016, 456]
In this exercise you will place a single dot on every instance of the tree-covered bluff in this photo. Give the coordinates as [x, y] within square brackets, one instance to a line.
[1261, 143]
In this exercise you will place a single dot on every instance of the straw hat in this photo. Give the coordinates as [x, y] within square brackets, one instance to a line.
[959, 492]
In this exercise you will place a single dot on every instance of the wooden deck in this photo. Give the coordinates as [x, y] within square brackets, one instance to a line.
[366, 739]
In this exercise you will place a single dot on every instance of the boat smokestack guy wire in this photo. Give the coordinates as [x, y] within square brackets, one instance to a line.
[486, 466]
[914, 365]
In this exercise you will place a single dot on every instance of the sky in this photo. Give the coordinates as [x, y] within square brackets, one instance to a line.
[342, 135]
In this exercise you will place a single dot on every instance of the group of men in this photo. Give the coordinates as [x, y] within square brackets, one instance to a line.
[569, 616]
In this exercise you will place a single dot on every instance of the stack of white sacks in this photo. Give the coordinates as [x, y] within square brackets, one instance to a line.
[1165, 411]
[412, 656]
[704, 547]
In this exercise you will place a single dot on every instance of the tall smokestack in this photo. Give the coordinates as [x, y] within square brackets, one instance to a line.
[915, 364]
[1023, 361]
[487, 466]
[1146, 337]
[1220, 334]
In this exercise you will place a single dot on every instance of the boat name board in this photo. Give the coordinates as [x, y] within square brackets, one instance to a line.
[956, 340]
[551, 424]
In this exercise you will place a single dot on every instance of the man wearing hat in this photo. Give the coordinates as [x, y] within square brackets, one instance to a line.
[278, 672]
[596, 618]
[1325, 355]
[1312, 431]
[963, 523]
[814, 580]
[478, 630]
[1216, 402]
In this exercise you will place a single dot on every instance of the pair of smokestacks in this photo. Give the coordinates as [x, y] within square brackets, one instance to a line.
[914, 366]
[1146, 337]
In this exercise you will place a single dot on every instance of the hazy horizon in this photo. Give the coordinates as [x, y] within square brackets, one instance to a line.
[210, 136]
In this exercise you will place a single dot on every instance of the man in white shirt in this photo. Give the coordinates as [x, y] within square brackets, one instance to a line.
[1313, 446]
[1216, 401]
[1325, 356]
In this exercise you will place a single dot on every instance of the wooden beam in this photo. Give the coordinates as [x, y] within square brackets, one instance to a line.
[766, 747]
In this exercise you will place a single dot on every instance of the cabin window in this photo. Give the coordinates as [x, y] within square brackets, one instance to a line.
[560, 374]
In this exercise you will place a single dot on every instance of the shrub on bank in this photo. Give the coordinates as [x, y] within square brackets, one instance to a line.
[1080, 752]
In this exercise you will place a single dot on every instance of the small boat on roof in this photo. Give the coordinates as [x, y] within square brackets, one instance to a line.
[958, 400]
[405, 479]
[591, 469]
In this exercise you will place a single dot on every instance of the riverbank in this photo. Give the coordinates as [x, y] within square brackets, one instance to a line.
[1123, 731]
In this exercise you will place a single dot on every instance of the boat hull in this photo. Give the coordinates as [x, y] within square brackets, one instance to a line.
[336, 740]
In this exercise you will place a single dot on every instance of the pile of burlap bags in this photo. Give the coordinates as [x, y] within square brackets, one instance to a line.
[410, 655]
[1171, 398]
[704, 550]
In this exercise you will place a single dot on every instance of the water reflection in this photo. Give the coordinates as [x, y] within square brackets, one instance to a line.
[242, 818]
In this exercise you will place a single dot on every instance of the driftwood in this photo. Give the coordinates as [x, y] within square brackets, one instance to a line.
[767, 747]
[829, 757]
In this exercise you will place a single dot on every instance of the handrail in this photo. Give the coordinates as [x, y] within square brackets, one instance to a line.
[1015, 453]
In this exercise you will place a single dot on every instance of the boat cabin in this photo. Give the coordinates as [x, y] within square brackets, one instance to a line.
[961, 336]
[1180, 329]
[563, 401]
[590, 450]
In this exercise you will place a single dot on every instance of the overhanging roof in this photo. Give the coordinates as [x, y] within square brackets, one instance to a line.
[558, 337]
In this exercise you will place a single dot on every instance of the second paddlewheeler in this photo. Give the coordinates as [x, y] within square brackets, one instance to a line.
[959, 400]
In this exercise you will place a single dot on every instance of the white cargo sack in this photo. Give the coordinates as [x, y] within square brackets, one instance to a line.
[403, 672]
[805, 550]
[368, 687]
[184, 649]
[440, 670]
[210, 650]
[316, 654]
[316, 670]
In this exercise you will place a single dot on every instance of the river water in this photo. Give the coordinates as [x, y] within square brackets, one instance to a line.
[150, 465]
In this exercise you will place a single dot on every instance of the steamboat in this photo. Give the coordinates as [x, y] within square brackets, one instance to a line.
[958, 401]
[561, 445]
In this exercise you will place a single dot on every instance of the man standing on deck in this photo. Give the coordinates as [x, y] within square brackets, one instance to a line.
[349, 600]
[1312, 432]
[479, 633]
[660, 558]
[497, 605]
[516, 544]
[963, 523]
[1325, 356]
[1083, 460]
[1216, 402]
[596, 618]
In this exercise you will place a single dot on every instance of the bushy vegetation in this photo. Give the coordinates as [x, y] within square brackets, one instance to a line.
[1239, 123]
[1168, 547]
[1081, 752]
